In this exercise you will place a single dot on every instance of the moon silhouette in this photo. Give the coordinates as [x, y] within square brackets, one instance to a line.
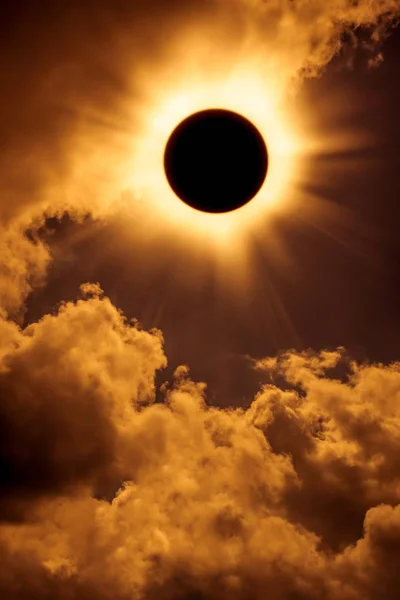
[215, 160]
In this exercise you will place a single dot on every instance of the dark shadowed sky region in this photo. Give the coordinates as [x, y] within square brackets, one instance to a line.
[199, 405]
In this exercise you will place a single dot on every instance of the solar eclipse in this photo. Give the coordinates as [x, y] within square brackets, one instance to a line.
[242, 101]
[215, 160]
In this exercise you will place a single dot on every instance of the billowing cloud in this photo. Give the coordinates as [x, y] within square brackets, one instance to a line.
[68, 386]
[343, 438]
[108, 494]
[23, 266]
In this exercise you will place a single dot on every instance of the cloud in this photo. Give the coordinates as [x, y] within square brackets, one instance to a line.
[313, 32]
[377, 554]
[343, 438]
[68, 386]
[109, 494]
[23, 266]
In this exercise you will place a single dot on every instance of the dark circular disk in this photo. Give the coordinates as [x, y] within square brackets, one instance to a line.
[215, 160]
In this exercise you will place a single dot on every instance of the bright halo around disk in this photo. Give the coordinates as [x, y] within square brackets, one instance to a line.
[244, 93]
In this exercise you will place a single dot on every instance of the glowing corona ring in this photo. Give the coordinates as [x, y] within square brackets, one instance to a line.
[244, 93]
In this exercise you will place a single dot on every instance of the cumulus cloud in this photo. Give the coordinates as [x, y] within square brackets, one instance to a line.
[343, 437]
[108, 494]
[23, 267]
[68, 386]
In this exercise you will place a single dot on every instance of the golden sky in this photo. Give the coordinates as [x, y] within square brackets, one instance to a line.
[112, 484]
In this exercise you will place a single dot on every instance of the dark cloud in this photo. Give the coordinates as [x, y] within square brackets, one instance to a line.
[68, 385]
[340, 439]
[296, 495]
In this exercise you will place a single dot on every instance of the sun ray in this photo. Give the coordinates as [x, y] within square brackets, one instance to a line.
[242, 91]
